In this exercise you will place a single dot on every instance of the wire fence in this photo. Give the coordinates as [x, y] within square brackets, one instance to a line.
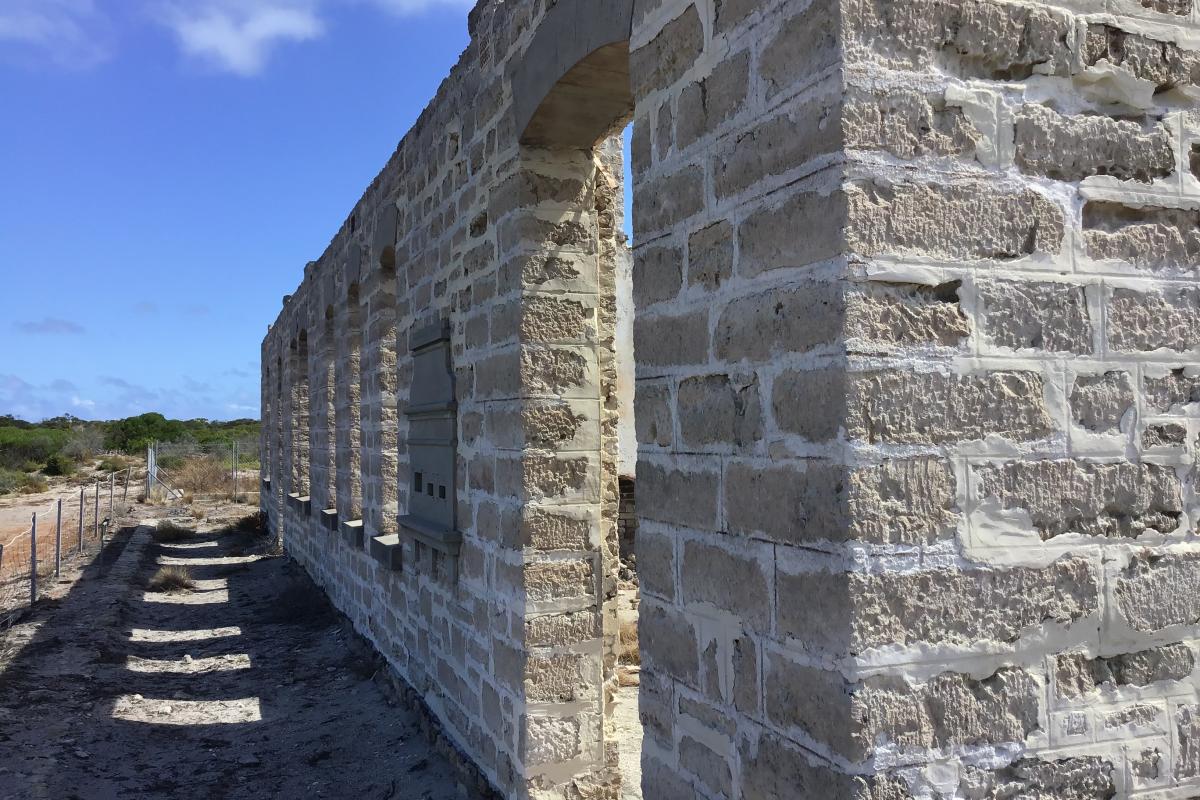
[182, 469]
[60, 531]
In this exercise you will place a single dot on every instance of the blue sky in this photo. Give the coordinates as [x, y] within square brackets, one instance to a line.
[166, 169]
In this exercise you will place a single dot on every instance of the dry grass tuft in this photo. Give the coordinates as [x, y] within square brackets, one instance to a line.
[630, 653]
[171, 579]
[167, 531]
[197, 513]
[202, 474]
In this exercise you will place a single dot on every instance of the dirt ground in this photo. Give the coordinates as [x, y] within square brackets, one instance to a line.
[247, 686]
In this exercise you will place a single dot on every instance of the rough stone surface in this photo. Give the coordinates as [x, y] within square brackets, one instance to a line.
[1071, 148]
[907, 124]
[1157, 239]
[962, 221]
[1089, 498]
[1099, 402]
[1076, 675]
[1156, 592]
[1042, 316]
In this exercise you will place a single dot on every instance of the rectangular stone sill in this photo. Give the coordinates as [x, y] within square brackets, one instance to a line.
[266, 482]
[352, 532]
[329, 519]
[387, 550]
[444, 539]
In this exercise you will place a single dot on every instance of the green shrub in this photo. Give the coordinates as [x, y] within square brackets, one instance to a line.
[32, 484]
[59, 464]
[20, 446]
[112, 464]
[10, 480]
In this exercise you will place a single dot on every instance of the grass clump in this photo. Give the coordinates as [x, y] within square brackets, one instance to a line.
[167, 531]
[171, 579]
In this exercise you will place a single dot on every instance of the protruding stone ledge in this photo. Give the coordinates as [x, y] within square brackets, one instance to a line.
[387, 550]
[352, 532]
[329, 519]
[300, 503]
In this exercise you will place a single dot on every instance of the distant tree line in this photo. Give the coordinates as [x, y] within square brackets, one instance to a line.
[54, 446]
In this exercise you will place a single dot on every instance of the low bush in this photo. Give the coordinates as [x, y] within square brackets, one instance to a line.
[167, 531]
[113, 464]
[171, 579]
[10, 480]
[59, 464]
[34, 484]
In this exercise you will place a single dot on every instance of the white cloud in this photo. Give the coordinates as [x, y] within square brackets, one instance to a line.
[70, 33]
[403, 7]
[239, 36]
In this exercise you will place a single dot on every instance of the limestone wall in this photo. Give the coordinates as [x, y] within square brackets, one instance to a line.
[915, 337]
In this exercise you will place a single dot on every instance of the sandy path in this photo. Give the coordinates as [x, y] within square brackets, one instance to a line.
[248, 687]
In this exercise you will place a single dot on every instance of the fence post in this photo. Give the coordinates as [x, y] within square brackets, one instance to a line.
[33, 563]
[96, 521]
[82, 514]
[112, 484]
[58, 541]
[149, 469]
[235, 471]
[125, 492]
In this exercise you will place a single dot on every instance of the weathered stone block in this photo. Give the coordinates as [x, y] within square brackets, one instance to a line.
[730, 580]
[1164, 64]
[906, 124]
[974, 38]
[1168, 393]
[767, 239]
[1033, 315]
[906, 314]
[663, 61]
[653, 420]
[1158, 591]
[952, 710]
[778, 145]
[1071, 148]
[1095, 499]
[668, 200]
[1144, 321]
[720, 410]
[558, 580]
[1099, 402]
[547, 320]
[704, 105]
[1077, 675]
[1157, 239]
[710, 256]
[780, 321]
[960, 221]
[676, 651]
[656, 563]
[710, 767]
[933, 407]
[804, 46]
[678, 496]
[904, 501]
[857, 611]
[657, 274]
[1187, 721]
[1168, 435]
[811, 403]
[664, 341]
[1074, 778]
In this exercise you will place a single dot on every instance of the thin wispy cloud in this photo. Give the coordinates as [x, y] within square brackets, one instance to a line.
[50, 326]
[239, 36]
[69, 33]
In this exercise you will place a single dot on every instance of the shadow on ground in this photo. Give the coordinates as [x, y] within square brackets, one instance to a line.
[249, 686]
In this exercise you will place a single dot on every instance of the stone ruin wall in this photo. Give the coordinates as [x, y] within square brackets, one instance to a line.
[915, 335]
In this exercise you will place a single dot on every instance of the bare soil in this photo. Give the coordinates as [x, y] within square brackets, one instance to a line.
[248, 686]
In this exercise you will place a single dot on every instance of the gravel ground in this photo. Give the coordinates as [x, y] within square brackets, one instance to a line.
[247, 686]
